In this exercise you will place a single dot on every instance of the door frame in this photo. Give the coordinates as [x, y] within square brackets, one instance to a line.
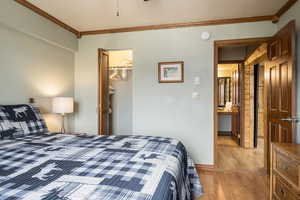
[256, 86]
[231, 43]
[100, 82]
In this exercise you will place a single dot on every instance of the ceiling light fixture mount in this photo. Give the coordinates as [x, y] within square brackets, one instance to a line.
[118, 8]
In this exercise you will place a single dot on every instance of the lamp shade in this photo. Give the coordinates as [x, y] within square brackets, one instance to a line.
[63, 105]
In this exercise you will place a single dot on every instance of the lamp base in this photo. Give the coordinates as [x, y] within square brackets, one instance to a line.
[63, 130]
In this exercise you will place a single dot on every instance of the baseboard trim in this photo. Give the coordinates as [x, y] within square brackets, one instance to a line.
[201, 167]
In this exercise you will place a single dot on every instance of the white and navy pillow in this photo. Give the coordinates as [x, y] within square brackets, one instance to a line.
[6, 128]
[24, 119]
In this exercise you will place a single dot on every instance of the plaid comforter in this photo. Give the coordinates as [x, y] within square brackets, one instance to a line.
[87, 167]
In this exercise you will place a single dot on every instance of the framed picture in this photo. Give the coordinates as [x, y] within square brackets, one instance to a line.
[171, 72]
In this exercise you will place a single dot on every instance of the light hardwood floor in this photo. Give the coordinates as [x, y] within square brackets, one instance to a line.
[239, 175]
[234, 186]
[226, 141]
[234, 158]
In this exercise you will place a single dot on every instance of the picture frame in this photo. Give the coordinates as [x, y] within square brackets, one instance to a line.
[171, 72]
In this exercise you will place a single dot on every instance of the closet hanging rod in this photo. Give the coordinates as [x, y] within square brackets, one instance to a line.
[127, 68]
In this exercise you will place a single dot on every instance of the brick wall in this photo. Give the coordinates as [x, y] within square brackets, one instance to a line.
[258, 57]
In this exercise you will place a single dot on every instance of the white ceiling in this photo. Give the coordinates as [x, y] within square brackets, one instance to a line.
[86, 15]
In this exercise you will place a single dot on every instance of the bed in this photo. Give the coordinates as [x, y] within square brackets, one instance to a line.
[49, 166]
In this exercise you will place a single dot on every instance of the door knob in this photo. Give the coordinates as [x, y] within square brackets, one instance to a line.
[291, 119]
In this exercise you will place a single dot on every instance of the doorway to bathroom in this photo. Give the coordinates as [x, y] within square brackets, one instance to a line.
[266, 98]
[240, 92]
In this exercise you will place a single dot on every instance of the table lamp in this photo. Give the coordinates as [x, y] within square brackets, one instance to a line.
[63, 106]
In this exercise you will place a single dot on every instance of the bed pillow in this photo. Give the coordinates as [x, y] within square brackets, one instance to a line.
[25, 119]
[7, 134]
[6, 129]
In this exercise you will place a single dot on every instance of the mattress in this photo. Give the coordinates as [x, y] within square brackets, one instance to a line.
[89, 167]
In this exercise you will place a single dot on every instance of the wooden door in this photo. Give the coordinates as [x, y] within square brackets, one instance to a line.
[103, 114]
[236, 104]
[280, 83]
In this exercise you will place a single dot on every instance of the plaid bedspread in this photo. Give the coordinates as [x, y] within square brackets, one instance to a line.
[87, 167]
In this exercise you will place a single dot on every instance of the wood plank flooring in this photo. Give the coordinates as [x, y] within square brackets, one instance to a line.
[234, 158]
[234, 186]
[226, 141]
[239, 175]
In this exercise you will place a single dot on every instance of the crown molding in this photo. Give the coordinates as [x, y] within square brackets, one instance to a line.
[274, 18]
[48, 16]
[181, 25]
[283, 10]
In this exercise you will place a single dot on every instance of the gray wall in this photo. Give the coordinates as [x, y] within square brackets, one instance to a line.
[294, 13]
[122, 106]
[36, 57]
[162, 109]
[24, 20]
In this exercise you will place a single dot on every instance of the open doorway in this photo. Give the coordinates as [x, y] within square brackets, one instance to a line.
[239, 147]
[240, 93]
[229, 132]
[115, 92]
[262, 100]
[259, 102]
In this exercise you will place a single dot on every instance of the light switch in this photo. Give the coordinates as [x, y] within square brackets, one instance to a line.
[195, 95]
[197, 80]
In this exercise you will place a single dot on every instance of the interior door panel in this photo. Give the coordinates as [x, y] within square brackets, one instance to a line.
[280, 81]
[104, 126]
